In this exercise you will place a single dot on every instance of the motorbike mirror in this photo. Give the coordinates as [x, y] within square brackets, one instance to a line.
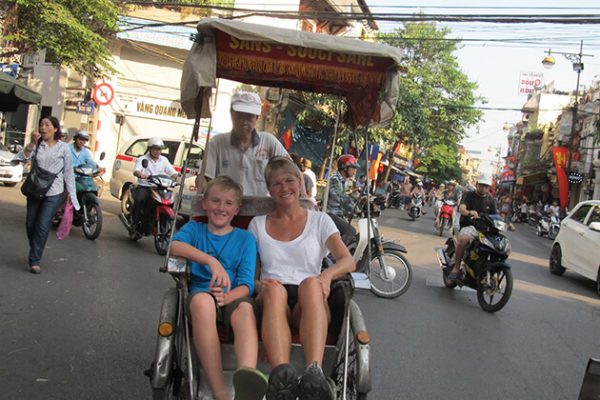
[145, 163]
[102, 155]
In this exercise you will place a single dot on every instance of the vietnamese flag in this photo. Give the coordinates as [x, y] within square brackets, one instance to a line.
[560, 160]
[286, 138]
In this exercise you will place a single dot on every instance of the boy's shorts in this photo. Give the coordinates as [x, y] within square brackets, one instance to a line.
[224, 313]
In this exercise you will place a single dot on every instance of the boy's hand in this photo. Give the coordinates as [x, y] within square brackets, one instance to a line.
[219, 276]
[219, 295]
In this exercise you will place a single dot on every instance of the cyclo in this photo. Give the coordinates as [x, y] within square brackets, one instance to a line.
[366, 75]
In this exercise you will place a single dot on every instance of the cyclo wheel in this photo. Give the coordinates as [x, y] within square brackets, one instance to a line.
[497, 287]
[398, 275]
[178, 383]
[161, 240]
[92, 226]
[351, 378]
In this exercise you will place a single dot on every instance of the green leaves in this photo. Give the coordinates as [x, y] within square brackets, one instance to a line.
[74, 33]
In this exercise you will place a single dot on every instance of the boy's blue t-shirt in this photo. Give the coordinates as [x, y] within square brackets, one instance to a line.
[236, 251]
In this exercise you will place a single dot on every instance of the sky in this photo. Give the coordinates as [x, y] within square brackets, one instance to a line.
[496, 66]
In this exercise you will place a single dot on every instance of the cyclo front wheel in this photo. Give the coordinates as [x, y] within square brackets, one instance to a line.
[494, 288]
[390, 273]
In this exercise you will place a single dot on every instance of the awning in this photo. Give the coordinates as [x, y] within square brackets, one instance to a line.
[14, 92]
[530, 179]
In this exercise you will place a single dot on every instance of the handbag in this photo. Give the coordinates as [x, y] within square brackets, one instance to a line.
[38, 181]
[64, 228]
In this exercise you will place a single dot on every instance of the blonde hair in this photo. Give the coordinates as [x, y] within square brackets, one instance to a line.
[226, 183]
[280, 163]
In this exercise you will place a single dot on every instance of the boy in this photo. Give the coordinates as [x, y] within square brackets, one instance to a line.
[222, 281]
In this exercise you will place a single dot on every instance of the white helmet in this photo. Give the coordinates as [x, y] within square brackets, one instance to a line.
[83, 134]
[485, 178]
[156, 142]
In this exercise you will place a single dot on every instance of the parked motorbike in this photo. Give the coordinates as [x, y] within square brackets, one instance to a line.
[159, 218]
[416, 204]
[394, 196]
[484, 266]
[446, 219]
[383, 261]
[548, 225]
[377, 204]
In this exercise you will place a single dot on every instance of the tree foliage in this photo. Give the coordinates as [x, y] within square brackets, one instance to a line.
[74, 33]
[435, 107]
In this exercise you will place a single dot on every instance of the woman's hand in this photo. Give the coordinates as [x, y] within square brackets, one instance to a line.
[325, 284]
[219, 275]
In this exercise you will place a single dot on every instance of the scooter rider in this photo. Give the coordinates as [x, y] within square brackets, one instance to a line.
[80, 155]
[157, 165]
[449, 194]
[478, 201]
[340, 203]
[418, 190]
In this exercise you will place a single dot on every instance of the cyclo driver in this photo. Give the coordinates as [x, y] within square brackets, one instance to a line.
[157, 165]
[341, 203]
[474, 203]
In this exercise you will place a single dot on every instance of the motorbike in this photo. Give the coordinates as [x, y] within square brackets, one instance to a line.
[376, 203]
[159, 217]
[548, 225]
[382, 260]
[446, 218]
[484, 266]
[415, 206]
[89, 216]
[394, 196]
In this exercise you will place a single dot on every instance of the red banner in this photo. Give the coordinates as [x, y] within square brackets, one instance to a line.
[358, 77]
[560, 155]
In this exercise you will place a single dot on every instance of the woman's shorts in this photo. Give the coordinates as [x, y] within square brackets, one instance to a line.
[292, 295]
[224, 313]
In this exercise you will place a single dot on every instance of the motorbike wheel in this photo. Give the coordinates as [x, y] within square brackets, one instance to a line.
[92, 226]
[553, 232]
[498, 287]
[444, 223]
[555, 265]
[514, 217]
[161, 240]
[538, 230]
[531, 221]
[398, 275]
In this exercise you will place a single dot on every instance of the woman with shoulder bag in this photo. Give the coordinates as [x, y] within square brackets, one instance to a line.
[49, 157]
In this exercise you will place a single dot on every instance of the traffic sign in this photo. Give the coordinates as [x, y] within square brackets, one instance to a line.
[103, 94]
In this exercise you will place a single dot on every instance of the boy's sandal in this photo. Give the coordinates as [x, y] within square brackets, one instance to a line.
[249, 384]
[35, 269]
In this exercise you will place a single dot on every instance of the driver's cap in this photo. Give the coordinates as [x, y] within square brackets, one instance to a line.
[246, 102]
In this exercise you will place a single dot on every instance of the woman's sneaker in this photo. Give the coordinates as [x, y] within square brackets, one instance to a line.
[314, 385]
[283, 383]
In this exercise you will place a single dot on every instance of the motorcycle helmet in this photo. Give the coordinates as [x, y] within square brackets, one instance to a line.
[485, 178]
[420, 184]
[155, 142]
[347, 161]
[82, 134]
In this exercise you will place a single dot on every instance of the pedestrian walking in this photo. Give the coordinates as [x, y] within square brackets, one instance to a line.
[50, 155]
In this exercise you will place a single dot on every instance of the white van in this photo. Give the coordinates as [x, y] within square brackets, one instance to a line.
[175, 150]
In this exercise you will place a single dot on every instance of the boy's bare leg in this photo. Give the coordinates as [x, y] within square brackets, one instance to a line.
[243, 324]
[206, 340]
[313, 320]
[276, 334]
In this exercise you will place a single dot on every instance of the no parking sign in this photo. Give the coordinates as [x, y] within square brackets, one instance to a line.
[103, 94]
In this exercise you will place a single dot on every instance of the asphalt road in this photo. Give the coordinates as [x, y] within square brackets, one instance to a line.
[85, 328]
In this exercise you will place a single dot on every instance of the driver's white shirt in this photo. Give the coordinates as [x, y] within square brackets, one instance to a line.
[162, 166]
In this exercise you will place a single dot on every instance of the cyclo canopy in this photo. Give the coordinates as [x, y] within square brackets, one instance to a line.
[365, 73]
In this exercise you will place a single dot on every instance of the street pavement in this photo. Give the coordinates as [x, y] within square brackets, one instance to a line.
[85, 327]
